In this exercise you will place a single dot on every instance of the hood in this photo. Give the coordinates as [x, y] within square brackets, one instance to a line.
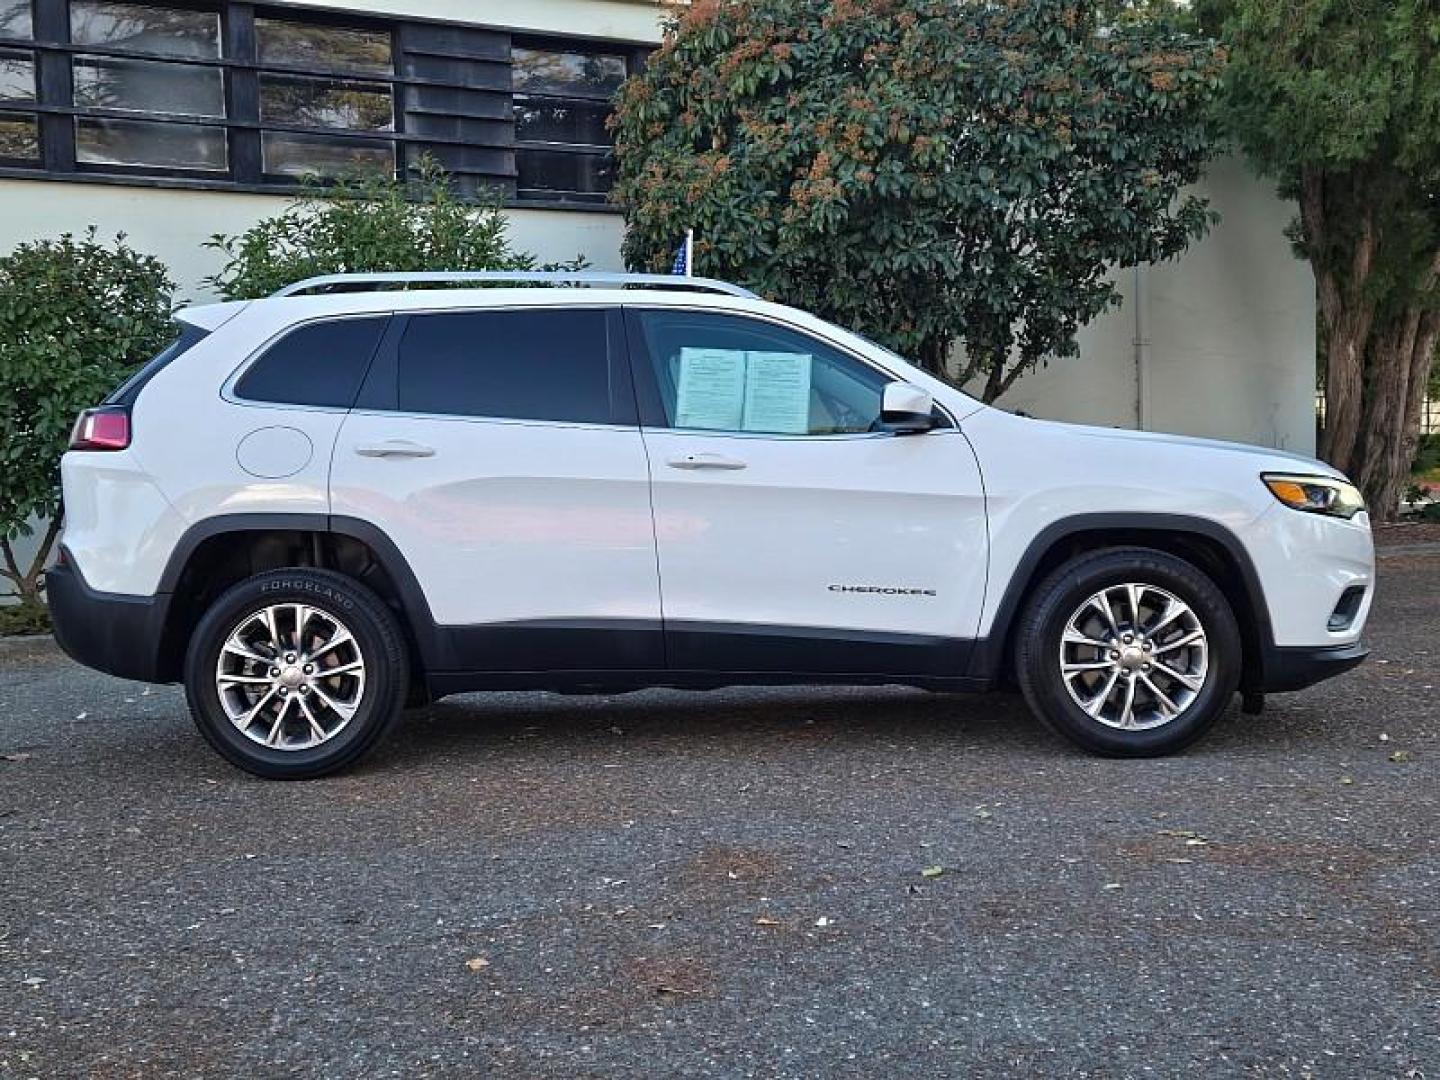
[1276, 459]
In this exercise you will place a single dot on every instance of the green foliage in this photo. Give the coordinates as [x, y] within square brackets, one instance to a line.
[1427, 455]
[923, 171]
[368, 221]
[76, 316]
[27, 618]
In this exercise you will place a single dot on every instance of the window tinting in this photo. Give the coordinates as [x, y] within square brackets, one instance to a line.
[730, 373]
[321, 364]
[522, 365]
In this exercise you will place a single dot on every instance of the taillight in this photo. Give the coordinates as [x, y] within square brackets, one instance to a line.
[106, 428]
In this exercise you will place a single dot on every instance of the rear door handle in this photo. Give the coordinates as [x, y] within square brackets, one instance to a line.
[399, 448]
[705, 461]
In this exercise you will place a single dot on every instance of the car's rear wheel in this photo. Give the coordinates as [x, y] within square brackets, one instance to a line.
[1128, 652]
[293, 674]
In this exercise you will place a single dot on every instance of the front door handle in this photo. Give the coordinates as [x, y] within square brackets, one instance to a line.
[705, 461]
[398, 448]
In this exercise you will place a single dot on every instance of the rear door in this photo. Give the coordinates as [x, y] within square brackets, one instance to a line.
[499, 450]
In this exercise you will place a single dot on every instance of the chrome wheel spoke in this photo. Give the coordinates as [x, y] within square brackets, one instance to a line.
[1111, 653]
[268, 664]
[1180, 643]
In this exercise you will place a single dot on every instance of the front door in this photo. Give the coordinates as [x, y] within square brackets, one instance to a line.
[794, 533]
[498, 450]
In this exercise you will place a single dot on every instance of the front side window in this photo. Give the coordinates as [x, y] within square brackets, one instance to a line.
[715, 372]
[561, 102]
[320, 364]
[520, 365]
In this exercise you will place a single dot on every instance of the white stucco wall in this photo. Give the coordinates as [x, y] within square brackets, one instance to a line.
[172, 224]
[621, 20]
[1231, 332]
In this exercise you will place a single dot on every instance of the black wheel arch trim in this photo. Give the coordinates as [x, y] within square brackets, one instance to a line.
[396, 566]
[989, 656]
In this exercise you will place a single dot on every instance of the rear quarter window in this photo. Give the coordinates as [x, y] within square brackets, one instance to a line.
[186, 338]
[319, 364]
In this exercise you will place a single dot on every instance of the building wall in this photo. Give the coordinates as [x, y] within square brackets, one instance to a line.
[1231, 329]
[173, 224]
[623, 20]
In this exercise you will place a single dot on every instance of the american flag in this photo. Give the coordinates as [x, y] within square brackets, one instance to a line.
[685, 256]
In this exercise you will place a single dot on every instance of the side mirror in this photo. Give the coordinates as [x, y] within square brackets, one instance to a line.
[907, 409]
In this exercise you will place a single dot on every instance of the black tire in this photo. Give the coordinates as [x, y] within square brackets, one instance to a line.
[377, 635]
[1049, 609]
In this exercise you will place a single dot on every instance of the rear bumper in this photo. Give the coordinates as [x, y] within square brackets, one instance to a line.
[1294, 668]
[119, 635]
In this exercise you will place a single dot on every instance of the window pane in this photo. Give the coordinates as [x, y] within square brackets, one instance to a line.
[562, 121]
[286, 99]
[592, 74]
[17, 77]
[140, 142]
[148, 86]
[300, 155]
[522, 365]
[18, 136]
[728, 373]
[321, 364]
[546, 172]
[158, 30]
[326, 48]
[15, 19]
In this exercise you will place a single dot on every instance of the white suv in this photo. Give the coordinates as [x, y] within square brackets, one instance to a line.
[317, 507]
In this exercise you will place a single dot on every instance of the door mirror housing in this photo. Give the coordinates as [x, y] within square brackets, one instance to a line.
[907, 409]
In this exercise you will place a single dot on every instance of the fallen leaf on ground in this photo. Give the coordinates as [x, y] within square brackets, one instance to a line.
[14, 757]
[765, 920]
[1400, 756]
[932, 871]
[477, 963]
[823, 920]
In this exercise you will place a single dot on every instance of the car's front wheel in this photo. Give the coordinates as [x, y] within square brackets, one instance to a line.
[297, 673]
[1129, 652]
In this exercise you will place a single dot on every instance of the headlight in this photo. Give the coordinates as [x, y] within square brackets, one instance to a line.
[1316, 494]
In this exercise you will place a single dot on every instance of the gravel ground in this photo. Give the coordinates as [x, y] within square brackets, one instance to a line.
[730, 884]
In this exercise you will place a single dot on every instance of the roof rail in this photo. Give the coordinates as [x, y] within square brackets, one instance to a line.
[545, 277]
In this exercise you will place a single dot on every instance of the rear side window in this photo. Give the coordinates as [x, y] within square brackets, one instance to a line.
[521, 365]
[320, 364]
[187, 336]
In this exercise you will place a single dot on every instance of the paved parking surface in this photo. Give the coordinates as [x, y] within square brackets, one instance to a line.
[730, 884]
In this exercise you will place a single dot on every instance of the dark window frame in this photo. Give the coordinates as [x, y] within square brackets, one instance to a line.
[485, 162]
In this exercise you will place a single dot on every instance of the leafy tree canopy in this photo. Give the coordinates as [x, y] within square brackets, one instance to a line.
[923, 171]
[76, 317]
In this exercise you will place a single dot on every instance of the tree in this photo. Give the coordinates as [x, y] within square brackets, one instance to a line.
[76, 317]
[923, 171]
[1339, 100]
[367, 221]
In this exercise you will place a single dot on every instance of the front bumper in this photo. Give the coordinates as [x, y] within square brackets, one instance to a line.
[1296, 667]
[119, 635]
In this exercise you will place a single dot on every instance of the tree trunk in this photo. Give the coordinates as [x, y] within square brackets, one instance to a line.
[29, 583]
[1346, 309]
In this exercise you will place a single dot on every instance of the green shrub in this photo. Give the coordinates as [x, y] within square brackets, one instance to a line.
[368, 222]
[76, 317]
[24, 619]
[1427, 454]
